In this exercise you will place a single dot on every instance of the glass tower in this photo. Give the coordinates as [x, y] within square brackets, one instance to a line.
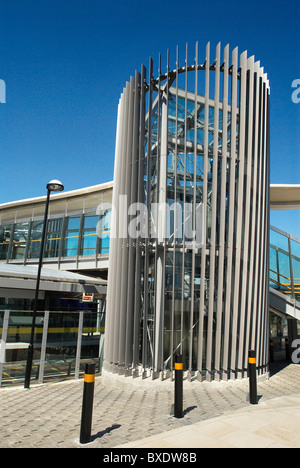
[188, 266]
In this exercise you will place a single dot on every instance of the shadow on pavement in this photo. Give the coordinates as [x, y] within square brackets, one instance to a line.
[278, 366]
[106, 431]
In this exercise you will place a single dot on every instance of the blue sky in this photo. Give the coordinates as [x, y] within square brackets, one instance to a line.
[65, 63]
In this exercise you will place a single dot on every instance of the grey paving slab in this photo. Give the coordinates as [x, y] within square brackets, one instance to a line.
[49, 415]
[272, 424]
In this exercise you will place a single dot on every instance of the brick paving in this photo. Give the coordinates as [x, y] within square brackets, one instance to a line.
[49, 415]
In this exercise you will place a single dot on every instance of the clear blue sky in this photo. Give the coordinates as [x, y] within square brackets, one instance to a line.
[65, 63]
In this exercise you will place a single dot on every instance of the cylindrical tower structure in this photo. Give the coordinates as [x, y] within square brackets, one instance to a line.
[188, 265]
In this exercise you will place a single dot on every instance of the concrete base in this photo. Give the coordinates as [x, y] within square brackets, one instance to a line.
[123, 381]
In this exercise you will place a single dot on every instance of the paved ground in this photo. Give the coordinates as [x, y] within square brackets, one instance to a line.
[273, 423]
[49, 416]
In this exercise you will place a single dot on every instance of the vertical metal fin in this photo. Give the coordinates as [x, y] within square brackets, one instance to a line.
[231, 210]
[242, 351]
[222, 204]
[203, 250]
[214, 189]
[239, 210]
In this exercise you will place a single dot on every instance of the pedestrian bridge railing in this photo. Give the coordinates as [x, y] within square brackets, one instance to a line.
[284, 273]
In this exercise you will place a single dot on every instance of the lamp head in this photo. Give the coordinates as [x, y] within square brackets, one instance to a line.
[55, 186]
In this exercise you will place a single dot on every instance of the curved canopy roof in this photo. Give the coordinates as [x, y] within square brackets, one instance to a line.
[14, 276]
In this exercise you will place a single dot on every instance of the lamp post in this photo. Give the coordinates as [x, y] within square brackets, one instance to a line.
[52, 186]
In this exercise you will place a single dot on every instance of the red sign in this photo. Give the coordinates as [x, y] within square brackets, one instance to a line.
[88, 298]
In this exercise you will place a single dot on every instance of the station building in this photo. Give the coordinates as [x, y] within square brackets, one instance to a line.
[176, 255]
[70, 322]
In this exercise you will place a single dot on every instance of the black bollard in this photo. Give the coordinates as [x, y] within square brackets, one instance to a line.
[178, 406]
[252, 377]
[87, 403]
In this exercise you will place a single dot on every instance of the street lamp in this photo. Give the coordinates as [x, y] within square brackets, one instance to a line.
[52, 186]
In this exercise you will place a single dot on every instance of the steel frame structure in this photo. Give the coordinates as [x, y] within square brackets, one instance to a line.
[197, 135]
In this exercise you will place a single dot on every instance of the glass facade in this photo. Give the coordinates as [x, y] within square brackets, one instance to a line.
[86, 234]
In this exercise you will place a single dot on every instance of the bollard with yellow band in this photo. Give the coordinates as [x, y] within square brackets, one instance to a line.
[178, 405]
[252, 377]
[89, 378]
[178, 366]
[87, 403]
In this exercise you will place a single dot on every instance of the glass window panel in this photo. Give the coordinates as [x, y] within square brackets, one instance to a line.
[284, 272]
[296, 276]
[296, 269]
[19, 240]
[274, 278]
[279, 240]
[35, 239]
[5, 235]
[295, 247]
[18, 337]
[61, 345]
[73, 223]
[53, 238]
[284, 265]
[106, 220]
[89, 235]
[105, 241]
[90, 222]
[105, 232]
[89, 240]
[71, 237]
[70, 245]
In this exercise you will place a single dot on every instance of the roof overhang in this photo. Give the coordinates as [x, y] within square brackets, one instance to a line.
[284, 305]
[284, 197]
[23, 278]
[58, 196]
